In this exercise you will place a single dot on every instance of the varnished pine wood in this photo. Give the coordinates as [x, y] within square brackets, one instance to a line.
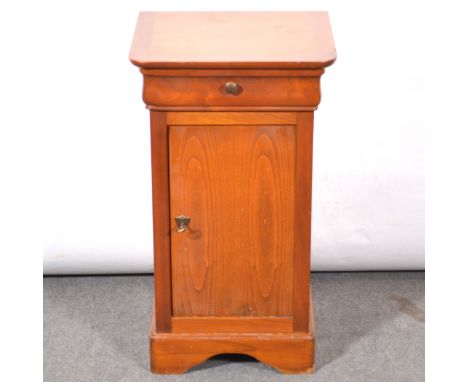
[239, 324]
[161, 228]
[233, 40]
[237, 184]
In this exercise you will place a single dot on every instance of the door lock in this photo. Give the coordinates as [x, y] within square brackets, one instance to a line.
[182, 222]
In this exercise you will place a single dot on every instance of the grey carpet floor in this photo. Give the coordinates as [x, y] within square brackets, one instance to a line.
[369, 327]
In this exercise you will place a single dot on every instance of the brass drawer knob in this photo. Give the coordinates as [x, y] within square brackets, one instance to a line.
[232, 88]
[182, 222]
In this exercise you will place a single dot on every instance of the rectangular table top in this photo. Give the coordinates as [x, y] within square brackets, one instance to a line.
[257, 40]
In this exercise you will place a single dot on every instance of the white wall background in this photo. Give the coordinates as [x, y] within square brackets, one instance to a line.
[368, 197]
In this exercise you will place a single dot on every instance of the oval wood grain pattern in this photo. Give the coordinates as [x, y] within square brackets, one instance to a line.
[237, 185]
[195, 197]
[264, 224]
[271, 198]
[195, 200]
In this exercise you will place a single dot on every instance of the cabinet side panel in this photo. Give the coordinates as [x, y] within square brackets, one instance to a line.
[302, 216]
[161, 229]
[237, 185]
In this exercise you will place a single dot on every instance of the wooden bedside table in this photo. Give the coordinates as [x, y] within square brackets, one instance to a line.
[232, 98]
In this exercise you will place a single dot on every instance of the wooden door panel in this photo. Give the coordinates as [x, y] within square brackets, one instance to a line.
[237, 185]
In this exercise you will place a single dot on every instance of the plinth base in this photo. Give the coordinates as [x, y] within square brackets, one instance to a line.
[175, 353]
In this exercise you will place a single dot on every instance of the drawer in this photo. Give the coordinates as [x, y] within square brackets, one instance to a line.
[231, 91]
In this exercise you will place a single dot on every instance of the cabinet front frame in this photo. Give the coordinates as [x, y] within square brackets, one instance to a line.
[160, 122]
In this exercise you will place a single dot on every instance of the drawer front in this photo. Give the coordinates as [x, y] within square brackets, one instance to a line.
[173, 91]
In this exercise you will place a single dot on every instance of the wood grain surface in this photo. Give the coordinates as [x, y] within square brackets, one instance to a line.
[172, 91]
[302, 221]
[233, 40]
[233, 72]
[175, 353]
[237, 159]
[161, 228]
[237, 184]
[237, 324]
[287, 354]
[231, 118]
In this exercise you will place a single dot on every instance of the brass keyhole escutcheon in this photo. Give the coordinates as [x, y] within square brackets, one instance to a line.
[182, 223]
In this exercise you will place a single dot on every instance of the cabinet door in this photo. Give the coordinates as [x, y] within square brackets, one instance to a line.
[234, 175]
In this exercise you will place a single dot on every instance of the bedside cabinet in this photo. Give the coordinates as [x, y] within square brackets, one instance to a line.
[232, 98]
